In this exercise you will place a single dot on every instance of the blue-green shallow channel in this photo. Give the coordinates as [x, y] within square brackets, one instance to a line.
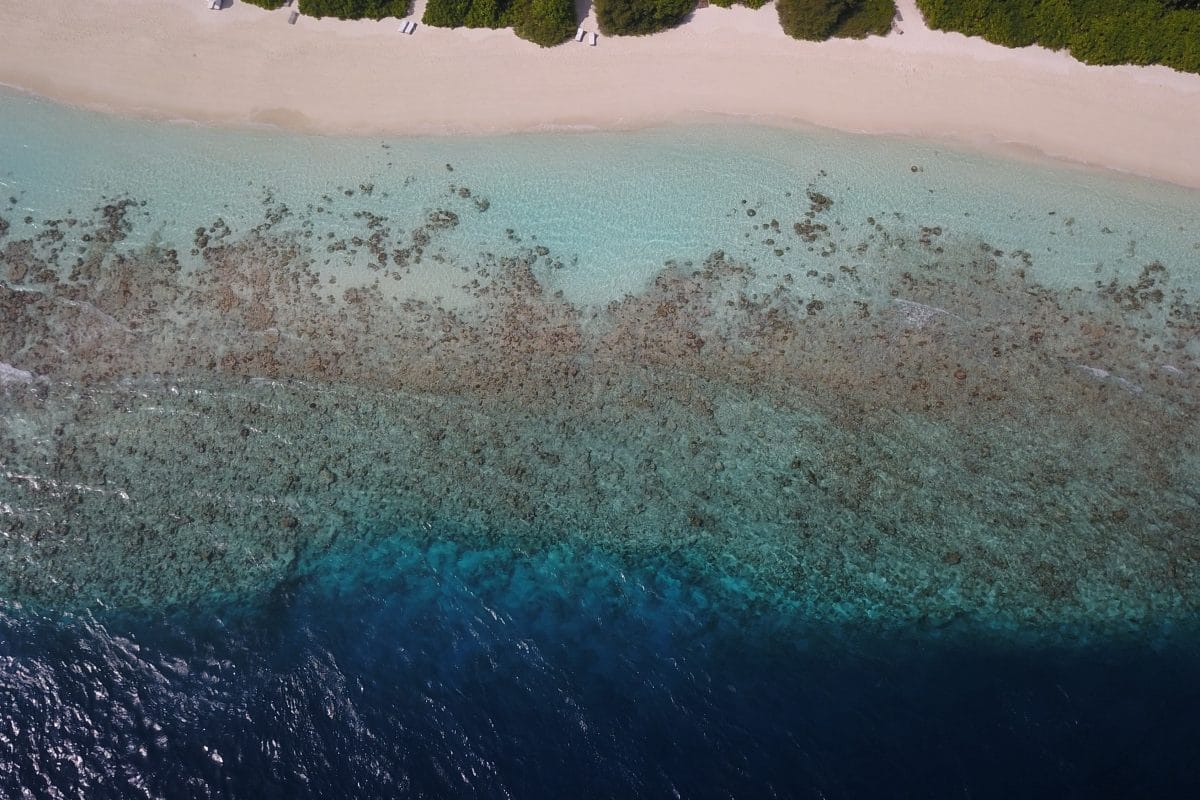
[711, 461]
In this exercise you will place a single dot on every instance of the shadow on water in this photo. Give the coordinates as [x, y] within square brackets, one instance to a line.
[456, 672]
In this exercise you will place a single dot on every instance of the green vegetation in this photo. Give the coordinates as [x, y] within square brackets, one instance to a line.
[544, 22]
[818, 20]
[746, 3]
[637, 17]
[448, 13]
[354, 9]
[480, 14]
[268, 4]
[868, 18]
[1094, 31]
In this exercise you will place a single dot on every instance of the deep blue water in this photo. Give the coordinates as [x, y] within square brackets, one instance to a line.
[432, 671]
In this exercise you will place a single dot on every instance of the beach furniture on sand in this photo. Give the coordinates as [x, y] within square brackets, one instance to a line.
[579, 34]
[215, 5]
[295, 15]
[595, 38]
[412, 27]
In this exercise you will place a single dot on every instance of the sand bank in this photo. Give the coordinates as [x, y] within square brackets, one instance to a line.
[242, 66]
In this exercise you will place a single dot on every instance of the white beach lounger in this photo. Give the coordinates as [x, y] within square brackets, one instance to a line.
[579, 34]
[215, 5]
[595, 38]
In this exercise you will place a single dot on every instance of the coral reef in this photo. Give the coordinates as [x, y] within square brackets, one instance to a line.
[952, 439]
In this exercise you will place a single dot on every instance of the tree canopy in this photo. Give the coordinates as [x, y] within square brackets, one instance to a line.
[544, 22]
[354, 9]
[447, 13]
[1094, 31]
[818, 20]
[638, 17]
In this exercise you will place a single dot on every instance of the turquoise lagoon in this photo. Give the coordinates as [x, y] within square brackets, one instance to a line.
[739, 461]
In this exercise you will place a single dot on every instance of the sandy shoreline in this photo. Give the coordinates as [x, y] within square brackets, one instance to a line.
[174, 59]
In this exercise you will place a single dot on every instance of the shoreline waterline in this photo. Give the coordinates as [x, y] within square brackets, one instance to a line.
[940, 88]
[1021, 153]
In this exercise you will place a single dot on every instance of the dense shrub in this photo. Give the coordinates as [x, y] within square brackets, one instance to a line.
[636, 17]
[867, 18]
[1094, 31]
[354, 9]
[545, 22]
[446, 13]
[746, 3]
[483, 14]
[818, 20]
[810, 19]
[265, 3]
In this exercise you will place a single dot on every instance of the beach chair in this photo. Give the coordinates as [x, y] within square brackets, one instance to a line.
[295, 15]
[215, 5]
[412, 27]
[595, 38]
[579, 34]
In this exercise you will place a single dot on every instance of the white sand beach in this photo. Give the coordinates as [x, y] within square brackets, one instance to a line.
[242, 66]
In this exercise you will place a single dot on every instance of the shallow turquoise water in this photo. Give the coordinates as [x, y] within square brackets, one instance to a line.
[715, 298]
[613, 206]
[740, 461]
